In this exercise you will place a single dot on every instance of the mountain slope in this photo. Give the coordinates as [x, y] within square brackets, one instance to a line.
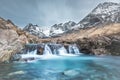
[61, 28]
[34, 30]
[103, 14]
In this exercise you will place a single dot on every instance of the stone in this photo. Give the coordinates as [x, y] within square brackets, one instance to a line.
[71, 73]
[16, 73]
[40, 51]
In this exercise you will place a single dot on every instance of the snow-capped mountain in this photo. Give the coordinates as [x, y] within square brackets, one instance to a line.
[104, 13]
[61, 28]
[46, 31]
[35, 30]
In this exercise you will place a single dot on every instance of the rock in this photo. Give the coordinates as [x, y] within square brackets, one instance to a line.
[40, 51]
[71, 73]
[23, 39]
[10, 41]
[100, 51]
[15, 57]
[16, 73]
[7, 36]
[6, 55]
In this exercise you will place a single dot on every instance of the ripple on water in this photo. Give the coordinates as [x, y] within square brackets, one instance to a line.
[66, 68]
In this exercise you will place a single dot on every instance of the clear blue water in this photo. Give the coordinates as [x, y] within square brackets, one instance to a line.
[63, 68]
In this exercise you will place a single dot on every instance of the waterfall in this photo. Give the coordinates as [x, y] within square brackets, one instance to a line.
[30, 51]
[73, 49]
[62, 51]
[70, 49]
[52, 49]
[76, 50]
[34, 52]
[47, 50]
[30, 54]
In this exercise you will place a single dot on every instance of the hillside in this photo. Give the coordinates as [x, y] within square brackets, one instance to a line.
[12, 39]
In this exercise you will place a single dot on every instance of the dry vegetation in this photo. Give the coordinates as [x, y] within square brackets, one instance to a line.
[87, 33]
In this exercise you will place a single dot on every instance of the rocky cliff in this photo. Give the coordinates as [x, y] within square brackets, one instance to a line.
[12, 39]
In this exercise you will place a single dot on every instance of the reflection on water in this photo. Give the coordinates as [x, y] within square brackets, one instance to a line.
[65, 68]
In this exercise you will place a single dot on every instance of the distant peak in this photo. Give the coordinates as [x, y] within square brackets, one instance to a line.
[70, 22]
[110, 3]
[1, 18]
[104, 13]
[107, 4]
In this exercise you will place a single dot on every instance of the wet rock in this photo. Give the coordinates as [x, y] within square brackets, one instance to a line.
[71, 73]
[40, 51]
[16, 73]
[15, 57]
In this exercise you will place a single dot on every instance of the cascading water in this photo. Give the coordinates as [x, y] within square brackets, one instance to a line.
[50, 50]
[30, 54]
[30, 51]
[47, 50]
[73, 49]
[34, 52]
[62, 51]
[70, 49]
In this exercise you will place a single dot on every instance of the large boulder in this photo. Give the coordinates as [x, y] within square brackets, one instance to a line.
[12, 39]
[10, 44]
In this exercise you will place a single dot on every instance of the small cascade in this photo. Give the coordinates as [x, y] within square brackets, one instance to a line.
[47, 50]
[70, 49]
[76, 50]
[30, 51]
[55, 52]
[62, 51]
[73, 49]
[34, 51]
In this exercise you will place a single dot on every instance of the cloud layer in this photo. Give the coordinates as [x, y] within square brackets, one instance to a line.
[46, 12]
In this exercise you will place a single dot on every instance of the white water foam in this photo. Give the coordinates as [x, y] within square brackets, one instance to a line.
[48, 54]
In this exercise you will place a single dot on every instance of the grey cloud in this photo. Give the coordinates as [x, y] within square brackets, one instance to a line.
[46, 12]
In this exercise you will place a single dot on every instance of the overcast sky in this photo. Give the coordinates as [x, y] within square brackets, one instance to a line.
[45, 13]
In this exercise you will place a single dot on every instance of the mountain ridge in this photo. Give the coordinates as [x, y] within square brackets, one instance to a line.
[103, 14]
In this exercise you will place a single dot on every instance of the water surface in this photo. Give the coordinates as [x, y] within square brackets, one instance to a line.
[63, 68]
